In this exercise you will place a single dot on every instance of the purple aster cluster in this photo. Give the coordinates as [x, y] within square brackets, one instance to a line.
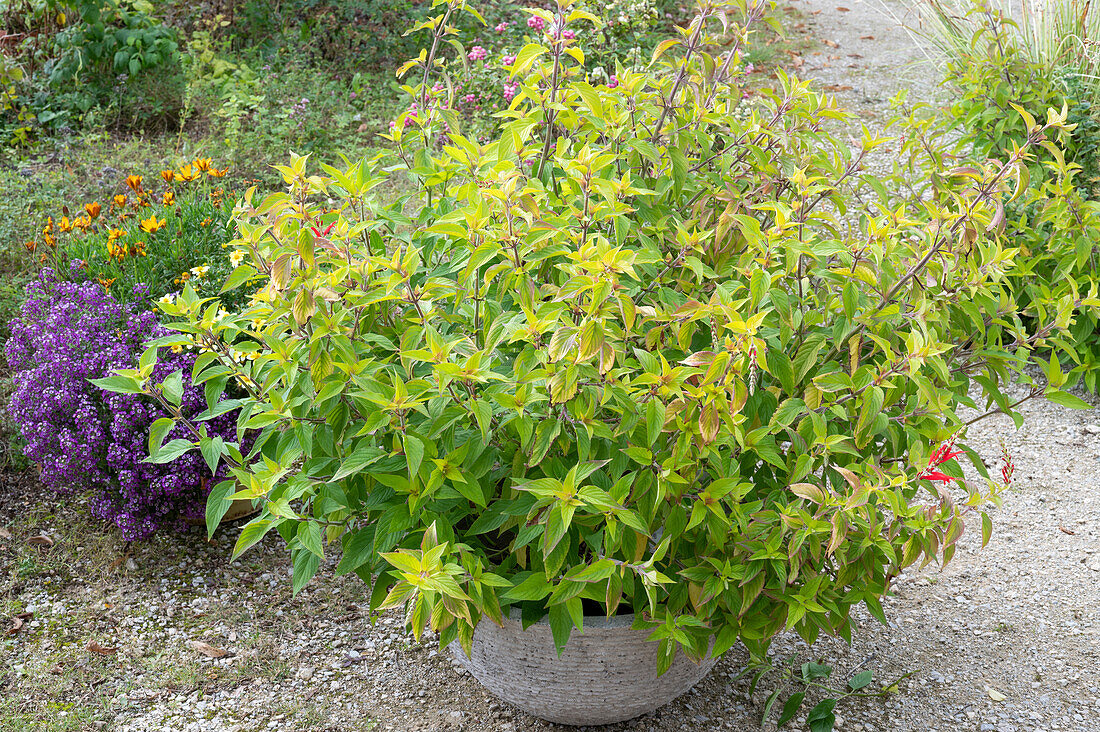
[88, 440]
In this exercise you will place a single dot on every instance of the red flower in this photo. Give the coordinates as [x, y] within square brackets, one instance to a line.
[942, 454]
[319, 234]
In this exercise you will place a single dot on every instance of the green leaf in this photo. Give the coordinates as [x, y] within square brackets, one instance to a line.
[768, 704]
[414, 454]
[861, 680]
[171, 451]
[548, 429]
[821, 717]
[561, 626]
[157, 431]
[305, 566]
[790, 708]
[119, 384]
[309, 534]
[212, 449]
[253, 531]
[217, 503]
[1066, 399]
[238, 277]
[534, 587]
[363, 456]
[357, 551]
[172, 388]
[654, 420]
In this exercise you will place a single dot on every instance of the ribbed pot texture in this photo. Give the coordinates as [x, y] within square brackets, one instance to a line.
[606, 674]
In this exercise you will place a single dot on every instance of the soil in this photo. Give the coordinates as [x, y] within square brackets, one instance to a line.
[169, 635]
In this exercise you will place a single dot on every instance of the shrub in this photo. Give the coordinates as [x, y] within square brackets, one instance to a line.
[996, 68]
[638, 351]
[161, 232]
[87, 440]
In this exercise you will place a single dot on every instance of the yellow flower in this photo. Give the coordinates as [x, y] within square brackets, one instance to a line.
[120, 200]
[82, 223]
[134, 181]
[168, 175]
[139, 249]
[236, 257]
[49, 225]
[177, 348]
[93, 209]
[169, 198]
[114, 234]
[202, 164]
[215, 173]
[187, 174]
[152, 225]
[199, 271]
[64, 224]
[48, 238]
[108, 282]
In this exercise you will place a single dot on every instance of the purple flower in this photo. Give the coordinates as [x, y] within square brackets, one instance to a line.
[89, 441]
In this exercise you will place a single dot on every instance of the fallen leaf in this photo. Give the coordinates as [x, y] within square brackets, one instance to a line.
[57, 670]
[831, 57]
[102, 650]
[866, 38]
[4, 533]
[831, 44]
[841, 9]
[208, 650]
[40, 540]
[796, 61]
[1067, 531]
[838, 87]
[995, 695]
[855, 55]
[17, 622]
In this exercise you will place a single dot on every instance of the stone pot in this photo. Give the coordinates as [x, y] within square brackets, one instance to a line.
[606, 674]
[238, 510]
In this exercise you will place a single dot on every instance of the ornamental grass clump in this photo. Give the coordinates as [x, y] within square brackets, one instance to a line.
[637, 352]
[88, 441]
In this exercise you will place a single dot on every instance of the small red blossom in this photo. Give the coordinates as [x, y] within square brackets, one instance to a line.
[942, 454]
[319, 233]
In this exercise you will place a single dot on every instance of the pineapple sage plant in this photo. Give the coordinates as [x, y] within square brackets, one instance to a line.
[643, 350]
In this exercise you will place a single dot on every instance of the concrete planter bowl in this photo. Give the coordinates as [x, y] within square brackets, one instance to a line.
[606, 674]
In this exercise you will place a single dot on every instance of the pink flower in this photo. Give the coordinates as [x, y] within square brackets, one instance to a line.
[509, 60]
[536, 23]
[568, 34]
[477, 53]
[469, 98]
[501, 27]
[612, 82]
[510, 91]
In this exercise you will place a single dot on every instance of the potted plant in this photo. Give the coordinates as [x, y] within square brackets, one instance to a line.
[637, 353]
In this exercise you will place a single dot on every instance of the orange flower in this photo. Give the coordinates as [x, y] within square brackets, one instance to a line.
[93, 209]
[202, 164]
[82, 223]
[139, 249]
[134, 181]
[167, 175]
[64, 224]
[169, 198]
[106, 283]
[114, 234]
[48, 238]
[152, 225]
[187, 174]
[120, 200]
[30, 246]
[215, 173]
[49, 225]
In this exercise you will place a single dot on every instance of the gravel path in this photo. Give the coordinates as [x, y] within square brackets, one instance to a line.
[170, 636]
